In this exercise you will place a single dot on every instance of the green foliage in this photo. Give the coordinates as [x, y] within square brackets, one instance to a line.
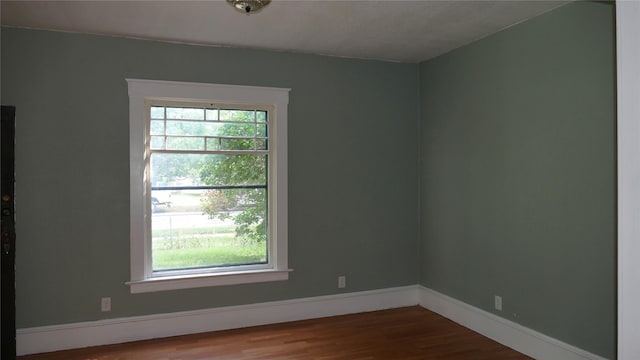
[244, 169]
[250, 205]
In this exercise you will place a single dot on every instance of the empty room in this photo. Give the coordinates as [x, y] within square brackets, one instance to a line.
[321, 179]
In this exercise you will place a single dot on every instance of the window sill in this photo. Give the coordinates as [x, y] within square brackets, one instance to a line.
[204, 280]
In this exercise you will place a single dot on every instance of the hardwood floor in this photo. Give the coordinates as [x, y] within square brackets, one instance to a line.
[405, 333]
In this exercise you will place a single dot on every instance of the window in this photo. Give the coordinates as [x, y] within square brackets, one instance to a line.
[208, 185]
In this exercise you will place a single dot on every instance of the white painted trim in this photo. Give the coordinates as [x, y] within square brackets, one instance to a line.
[202, 280]
[508, 333]
[628, 70]
[191, 91]
[103, 332]
[114, 331]
[143, 279]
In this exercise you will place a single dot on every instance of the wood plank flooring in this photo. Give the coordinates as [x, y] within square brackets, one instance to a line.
[405, 333]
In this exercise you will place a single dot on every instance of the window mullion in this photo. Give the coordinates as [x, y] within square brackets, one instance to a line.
[209, 187]
[212, 152]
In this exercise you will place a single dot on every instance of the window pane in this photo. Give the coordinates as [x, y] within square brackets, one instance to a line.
[208, 228]
[211, 114]
[261, 144]
[261, 130]
[236, 144]
[208, 170]
[236, 115]
[157, 112]
[192, 128]
[157, 142]
[261, 116]
[185, 143]
[235, 170]
[237, 130]
[185, 113]
[157, 127]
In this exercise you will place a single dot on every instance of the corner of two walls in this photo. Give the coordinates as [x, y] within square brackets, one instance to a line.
[518, 174]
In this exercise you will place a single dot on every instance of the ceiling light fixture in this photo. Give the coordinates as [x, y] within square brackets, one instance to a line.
[248, 6]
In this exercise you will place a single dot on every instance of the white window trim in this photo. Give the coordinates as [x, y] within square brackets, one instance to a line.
[142, 277]
[628, 85]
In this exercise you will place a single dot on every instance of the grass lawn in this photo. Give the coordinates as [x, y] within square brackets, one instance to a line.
[200, 247]
[183, 258]
[180, 233]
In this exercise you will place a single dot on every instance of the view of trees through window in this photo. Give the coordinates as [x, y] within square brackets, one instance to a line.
[208, 171]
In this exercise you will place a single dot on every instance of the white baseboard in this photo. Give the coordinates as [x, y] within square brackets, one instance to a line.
[114, 331]
[508, 333]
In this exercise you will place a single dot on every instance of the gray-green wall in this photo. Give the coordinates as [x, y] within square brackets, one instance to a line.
[353, 188]
[518, 174]
[508, 188]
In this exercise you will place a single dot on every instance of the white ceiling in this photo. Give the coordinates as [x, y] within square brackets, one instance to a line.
[405, 31]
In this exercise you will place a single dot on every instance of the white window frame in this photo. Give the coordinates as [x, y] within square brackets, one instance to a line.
[141, 92]
[628, 85]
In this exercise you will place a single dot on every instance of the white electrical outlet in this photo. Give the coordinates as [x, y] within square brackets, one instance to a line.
[342, 282]
[497, 302]
[105, 304]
